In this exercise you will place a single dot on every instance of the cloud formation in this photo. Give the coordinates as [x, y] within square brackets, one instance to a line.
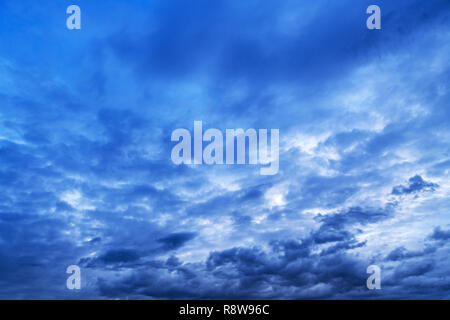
[86, 175]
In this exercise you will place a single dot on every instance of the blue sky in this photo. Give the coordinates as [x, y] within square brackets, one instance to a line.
[86, 176]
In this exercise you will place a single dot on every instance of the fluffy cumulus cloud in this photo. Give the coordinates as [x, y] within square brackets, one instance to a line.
[87, 179]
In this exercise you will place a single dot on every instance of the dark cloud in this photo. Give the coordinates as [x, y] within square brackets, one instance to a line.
[176, 240]
[413, 269]
[439, 234]
[181, 45]
[123, 255]
[354, 215]
[402, 253]
[415, 184]
[247, 272]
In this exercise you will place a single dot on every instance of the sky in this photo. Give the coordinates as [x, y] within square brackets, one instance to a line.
[86, 175]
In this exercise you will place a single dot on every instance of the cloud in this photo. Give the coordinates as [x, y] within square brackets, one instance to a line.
[85, 168]
[114, 256]
[439, 234]
[355, 215]
[176, 240]
[414, 270]
[402, 253]
[416, 184]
